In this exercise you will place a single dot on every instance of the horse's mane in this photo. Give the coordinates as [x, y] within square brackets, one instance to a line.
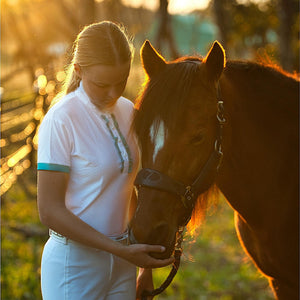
[265, 84]
[264, 68]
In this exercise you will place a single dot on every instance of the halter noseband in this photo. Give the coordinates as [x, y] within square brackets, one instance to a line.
[188, 194]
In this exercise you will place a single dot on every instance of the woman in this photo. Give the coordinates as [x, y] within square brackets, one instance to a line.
[87, 162]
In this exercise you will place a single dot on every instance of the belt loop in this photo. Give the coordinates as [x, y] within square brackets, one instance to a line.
[58, 236]
[66, 240]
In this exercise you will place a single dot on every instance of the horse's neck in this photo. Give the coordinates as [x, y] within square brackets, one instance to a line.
[260, 145]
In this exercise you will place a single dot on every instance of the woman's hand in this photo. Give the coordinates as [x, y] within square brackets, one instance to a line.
[144, 282]
[138, 254]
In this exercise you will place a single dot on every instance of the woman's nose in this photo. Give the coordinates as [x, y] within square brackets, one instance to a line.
[114, 93]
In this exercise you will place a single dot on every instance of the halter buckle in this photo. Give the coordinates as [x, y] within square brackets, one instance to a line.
[187, 197]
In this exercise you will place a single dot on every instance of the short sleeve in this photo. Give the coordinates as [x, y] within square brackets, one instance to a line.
[54, 146]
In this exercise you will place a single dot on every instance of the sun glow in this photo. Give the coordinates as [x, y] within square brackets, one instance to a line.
[179, 6]
[175, 6]
[206, 201]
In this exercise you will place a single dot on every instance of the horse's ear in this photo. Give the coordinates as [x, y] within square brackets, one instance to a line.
[215, 61]
[152, 61]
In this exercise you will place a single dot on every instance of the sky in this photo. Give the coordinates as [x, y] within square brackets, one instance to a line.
[175, 6]
[178, 6]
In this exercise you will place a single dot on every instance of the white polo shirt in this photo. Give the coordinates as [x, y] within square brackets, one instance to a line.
[99, 152]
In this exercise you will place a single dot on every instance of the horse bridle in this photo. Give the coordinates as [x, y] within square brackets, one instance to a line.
[187, 193]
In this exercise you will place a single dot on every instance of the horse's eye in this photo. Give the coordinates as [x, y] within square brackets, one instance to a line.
[198, 139]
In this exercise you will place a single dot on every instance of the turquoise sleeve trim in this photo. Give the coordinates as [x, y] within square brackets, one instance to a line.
[53, 167]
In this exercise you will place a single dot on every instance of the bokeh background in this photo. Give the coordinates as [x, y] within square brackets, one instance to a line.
[36, 45]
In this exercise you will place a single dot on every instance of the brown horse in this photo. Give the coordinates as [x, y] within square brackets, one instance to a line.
[180, 124]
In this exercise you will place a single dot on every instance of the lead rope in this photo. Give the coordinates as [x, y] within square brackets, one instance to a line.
[175, 267]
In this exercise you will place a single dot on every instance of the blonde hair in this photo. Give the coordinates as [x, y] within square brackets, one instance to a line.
[105, 43]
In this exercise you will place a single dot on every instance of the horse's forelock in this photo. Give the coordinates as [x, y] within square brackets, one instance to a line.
[165, 95]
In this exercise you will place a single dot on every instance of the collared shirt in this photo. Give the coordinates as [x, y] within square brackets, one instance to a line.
[99, 152]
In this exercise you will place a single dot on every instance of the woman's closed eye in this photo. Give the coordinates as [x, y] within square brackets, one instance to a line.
[101, 85]
[104, 86]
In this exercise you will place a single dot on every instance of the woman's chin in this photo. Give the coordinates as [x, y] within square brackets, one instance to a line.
[105, 106]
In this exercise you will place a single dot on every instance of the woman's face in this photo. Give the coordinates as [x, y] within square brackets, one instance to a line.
[104, 84]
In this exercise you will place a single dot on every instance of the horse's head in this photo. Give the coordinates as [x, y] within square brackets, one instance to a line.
[176, 124]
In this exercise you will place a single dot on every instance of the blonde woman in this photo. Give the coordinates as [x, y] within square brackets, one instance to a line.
[87, 162]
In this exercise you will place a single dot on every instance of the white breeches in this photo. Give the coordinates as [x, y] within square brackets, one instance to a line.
[71, 271]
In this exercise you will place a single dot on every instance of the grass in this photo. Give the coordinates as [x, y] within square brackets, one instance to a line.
[20, 254]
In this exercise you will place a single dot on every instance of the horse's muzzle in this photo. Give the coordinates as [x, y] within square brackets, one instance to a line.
[157, 255]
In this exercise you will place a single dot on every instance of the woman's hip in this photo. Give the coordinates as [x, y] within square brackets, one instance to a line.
[73, 271]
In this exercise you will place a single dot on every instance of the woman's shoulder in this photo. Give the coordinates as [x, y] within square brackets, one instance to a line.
[125, 104]
[63, 108]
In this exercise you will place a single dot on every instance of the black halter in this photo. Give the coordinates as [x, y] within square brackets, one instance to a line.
[188, 193]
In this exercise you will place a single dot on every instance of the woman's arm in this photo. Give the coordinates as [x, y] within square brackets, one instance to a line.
[54, 214]
[144, 282]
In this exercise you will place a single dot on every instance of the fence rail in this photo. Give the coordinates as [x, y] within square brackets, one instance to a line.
[21, 115]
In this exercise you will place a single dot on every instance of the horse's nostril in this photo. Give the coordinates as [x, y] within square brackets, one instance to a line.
[158, 235]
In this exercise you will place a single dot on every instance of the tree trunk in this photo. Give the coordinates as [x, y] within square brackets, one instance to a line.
[219, 12]
[287, 10]
[165, 34]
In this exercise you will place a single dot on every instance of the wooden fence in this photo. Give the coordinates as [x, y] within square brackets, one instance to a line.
[21, 114]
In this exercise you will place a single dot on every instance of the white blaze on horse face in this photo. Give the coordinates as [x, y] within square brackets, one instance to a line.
[157, 138]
